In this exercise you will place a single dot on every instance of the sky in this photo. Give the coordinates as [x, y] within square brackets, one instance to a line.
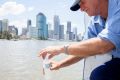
[19, 11]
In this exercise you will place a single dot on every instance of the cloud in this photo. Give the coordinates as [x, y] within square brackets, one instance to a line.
[30, 8]
[11, 7]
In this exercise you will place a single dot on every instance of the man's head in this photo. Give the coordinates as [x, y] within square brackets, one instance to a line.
[91, 7]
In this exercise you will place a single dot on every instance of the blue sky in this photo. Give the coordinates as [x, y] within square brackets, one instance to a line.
[18, 11]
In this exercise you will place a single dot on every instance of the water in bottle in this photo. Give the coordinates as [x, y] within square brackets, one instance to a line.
[46, 66]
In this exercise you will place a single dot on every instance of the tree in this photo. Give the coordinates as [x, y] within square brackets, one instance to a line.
[6, 35]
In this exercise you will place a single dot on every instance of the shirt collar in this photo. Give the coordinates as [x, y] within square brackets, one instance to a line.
[99, 20]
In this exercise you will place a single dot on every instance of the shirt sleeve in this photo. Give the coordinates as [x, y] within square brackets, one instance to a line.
[112, 30]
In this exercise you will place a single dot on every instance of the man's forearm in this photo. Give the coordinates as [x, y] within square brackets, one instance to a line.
[69, 61]
[90, 47]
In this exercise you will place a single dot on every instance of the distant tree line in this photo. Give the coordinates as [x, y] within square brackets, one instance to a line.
[5, 35]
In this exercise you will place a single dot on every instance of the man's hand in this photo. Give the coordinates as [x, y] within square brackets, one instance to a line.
[52, 51]
[55, 65]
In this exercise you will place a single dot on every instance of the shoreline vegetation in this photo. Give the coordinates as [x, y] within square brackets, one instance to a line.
[7, 35]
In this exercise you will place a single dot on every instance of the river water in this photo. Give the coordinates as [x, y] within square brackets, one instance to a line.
[19, 61]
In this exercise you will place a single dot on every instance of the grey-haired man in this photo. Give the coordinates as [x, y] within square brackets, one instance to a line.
[104, 36]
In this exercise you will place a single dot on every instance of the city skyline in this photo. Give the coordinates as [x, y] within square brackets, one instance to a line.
[43, 30]
[29, 9]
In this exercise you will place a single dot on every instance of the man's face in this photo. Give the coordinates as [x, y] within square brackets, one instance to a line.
[91, 7]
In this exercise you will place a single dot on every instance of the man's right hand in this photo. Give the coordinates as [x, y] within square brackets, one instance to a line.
[55, 65]
[52, 51]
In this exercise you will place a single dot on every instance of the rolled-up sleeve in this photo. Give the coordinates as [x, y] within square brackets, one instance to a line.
[112, 30]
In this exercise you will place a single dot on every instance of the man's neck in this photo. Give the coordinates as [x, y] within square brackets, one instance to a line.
[104, 8]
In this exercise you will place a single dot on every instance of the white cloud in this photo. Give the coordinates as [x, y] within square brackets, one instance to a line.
[11, 7]
[2, 12]
[30, 8]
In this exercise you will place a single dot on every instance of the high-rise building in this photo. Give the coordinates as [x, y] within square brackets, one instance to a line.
[68, 26]
[50, 34]
[75, 33]
[42, 26]
[71, 36]
[33, 32]
[56, 27]
[68, 32]
[0, 26]
[50, 31]
[29, 23]
[46, 31]
[24, 31]
[4, 25]
[49, 26]
[62, 32]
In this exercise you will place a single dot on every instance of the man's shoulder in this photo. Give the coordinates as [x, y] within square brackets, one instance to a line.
[114, 3]
[114, 9]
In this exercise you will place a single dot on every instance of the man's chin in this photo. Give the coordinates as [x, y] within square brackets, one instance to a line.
[91, 14]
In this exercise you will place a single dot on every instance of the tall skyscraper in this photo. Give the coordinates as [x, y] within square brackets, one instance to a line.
[34, 32]
[75, 33]
[24, 31]
[49, 26]
[29, 23]
[46, 31]
[42, 26]
[50, 34]
[62, 32]
[0, 26]
[56, 27]
[4, 25]
[68, 26]
[50, 31]
[68, 32]
[71, 36]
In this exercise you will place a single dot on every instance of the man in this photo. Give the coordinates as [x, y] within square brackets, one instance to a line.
[104, 34]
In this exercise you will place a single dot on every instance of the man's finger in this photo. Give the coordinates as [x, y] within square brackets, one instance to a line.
[42, 54]
[50, 56]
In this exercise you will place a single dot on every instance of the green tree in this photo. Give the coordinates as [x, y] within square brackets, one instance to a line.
[6, 35]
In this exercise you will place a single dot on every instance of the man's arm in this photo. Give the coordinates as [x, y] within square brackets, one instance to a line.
[71, 59]
[90, 47]
[82, 49]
